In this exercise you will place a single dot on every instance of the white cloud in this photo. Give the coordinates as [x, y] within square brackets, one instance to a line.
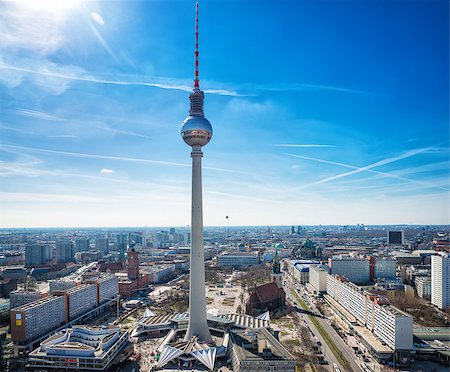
[303, 145]
[30, 28]
[368, 168]
[37, 114]
[48, 76]
[109, 157]
[57, 77]
[309, 87]
[106, 171]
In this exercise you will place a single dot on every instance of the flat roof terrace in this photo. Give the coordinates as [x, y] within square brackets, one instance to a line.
[246, 349]
[374, 343]
[433, 333]
[36, 303]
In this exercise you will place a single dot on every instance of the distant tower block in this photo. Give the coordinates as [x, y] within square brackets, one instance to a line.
[396, 237]
[196, 131]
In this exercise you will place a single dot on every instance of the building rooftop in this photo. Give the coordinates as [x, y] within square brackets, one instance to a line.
[374, 342]
[349, 258]
[302, 268]
[239, 320]
[258, 345]
[395, 311]
[78, 288]
[70, 342]
[245, 321]
[21, 291]
[433, 333]
[238, 254]
[404, 254]
[36, 303]
[320, 267]
[268, 292]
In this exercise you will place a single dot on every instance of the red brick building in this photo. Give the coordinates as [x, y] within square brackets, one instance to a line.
[266, 297]
[132, 281]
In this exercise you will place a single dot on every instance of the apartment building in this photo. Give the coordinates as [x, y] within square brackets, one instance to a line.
[81, 299]
[81, 245]
[36, 318]
[440, 281]
[423, 286]
[384, 268]
[355, 269]
[64, 251]
[60, 285]
[389, 324]
[102, 245]
[238, 259]
[19, 298]
[318, 277]
[108, 288]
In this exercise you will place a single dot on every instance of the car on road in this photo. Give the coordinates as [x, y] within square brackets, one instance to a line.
[336, 368]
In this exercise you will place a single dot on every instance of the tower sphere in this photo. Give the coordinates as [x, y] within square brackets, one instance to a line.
[196, 130]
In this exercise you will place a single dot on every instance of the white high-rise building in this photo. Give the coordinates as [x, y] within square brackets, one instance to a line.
[389, 324]
[355, 269]
[318, 277]
[423, 286]
[440, 281]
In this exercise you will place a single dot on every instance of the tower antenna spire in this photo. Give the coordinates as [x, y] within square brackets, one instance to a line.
[196, 81]
[197, 96]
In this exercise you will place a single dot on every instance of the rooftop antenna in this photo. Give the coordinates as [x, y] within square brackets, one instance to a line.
[197, 96]
[196, 81]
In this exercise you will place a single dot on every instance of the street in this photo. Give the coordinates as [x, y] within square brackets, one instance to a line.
[341, 345]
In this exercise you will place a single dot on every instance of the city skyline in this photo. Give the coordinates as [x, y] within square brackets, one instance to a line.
[335, 114]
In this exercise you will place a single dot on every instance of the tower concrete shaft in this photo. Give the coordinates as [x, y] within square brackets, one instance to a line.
[197, 300]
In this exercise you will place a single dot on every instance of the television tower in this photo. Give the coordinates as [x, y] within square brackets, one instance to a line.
[196, 131]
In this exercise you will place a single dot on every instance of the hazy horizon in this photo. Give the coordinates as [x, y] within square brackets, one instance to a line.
[216, 226]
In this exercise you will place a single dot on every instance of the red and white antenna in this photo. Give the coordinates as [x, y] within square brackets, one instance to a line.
[196, 81]
[197, 96]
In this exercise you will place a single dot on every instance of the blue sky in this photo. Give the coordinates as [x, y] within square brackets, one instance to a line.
[324, 112]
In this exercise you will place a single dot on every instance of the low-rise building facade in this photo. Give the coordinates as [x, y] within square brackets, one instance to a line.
[238, 259]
